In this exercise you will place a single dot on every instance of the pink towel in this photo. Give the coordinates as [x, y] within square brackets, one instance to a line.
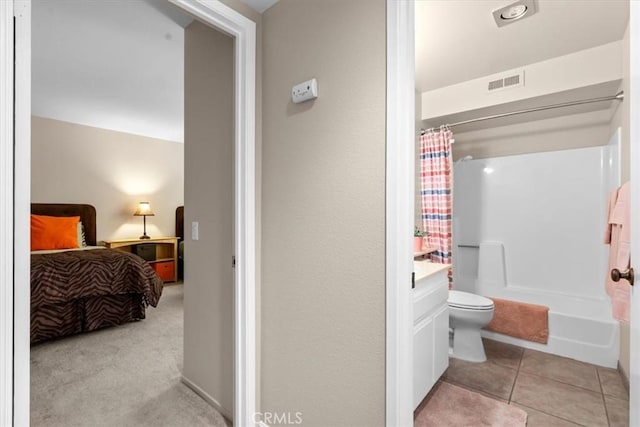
[611, 203]
[618, 235]
[520, 320]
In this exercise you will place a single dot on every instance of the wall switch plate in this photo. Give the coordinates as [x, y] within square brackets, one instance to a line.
[304, 91]
[194, 230]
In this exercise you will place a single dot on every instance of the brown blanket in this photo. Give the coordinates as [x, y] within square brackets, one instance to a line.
[76, 291]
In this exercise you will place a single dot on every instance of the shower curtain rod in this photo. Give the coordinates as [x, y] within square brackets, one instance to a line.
[618, 96]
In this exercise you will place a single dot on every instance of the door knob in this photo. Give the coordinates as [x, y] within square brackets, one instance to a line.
[616, 275]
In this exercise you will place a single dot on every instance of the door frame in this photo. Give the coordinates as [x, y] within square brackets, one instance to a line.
[6, 214]
[400, 182]
[15, 204]
[15, 182]
[633, 97]
[243, 30]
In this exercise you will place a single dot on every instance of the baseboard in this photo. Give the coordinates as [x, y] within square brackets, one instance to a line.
[207, 397]
[624, 375]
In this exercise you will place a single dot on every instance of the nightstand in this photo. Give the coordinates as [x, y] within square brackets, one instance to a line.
[160, 252]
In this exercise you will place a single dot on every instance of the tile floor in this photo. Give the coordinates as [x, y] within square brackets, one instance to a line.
[553, 390]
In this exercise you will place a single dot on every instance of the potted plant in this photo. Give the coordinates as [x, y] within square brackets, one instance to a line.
[418, 239]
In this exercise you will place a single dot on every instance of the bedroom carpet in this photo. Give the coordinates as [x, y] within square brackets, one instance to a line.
[127, 375]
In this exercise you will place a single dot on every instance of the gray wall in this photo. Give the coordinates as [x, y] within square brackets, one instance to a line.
[323, 286]
[209, 189]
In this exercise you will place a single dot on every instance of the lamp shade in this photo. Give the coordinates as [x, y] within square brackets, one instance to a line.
[144, 209]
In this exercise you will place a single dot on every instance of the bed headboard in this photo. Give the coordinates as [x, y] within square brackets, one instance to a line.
[87, 215]
[180, 222]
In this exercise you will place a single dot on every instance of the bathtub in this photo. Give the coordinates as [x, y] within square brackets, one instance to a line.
[581, 325]
[579, 328]
[529, 228]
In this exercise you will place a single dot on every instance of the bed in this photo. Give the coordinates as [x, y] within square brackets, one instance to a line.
[81, 290]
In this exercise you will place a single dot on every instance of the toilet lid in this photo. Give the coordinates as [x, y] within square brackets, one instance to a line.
[466, 300]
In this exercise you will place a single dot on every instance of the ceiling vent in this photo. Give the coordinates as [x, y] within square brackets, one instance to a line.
[510, 81]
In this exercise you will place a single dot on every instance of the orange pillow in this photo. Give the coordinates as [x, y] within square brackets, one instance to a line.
[54, 232]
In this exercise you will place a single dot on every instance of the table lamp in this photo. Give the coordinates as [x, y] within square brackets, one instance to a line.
[144, 210]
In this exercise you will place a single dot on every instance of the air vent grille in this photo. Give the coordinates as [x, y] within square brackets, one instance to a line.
[512, 80]
[496, 84]
[506, 82]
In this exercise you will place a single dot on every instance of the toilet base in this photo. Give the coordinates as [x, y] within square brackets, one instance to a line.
[467, 345]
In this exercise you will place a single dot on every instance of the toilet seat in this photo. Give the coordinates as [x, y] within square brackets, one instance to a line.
[468, 301]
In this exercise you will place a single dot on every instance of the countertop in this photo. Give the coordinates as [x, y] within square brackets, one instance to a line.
[425, 251]
[426, 268]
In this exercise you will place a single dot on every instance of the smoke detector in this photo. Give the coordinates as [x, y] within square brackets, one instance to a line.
[514, 12]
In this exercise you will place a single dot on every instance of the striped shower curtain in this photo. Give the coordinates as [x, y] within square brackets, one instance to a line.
[435, 176]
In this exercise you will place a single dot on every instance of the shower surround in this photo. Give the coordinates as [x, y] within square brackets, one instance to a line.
[530, 228]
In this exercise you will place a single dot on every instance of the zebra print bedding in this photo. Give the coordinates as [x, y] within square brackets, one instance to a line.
[80, 291]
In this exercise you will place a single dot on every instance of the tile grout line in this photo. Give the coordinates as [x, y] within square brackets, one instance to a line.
[599, 390]
[566, 383]
[552, 415]
[540, 376]
[513, 386]
[604, 402]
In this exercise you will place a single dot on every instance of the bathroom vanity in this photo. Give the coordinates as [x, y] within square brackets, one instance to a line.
[430, 326]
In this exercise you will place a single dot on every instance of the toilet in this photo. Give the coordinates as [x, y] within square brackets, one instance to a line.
[468, 313]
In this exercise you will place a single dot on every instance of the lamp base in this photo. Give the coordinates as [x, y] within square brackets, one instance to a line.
[144, 237]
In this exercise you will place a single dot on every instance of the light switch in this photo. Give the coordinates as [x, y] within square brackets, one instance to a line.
[194, 230]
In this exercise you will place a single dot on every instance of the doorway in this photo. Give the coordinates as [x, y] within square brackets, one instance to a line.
[633, 21]
[15, 393]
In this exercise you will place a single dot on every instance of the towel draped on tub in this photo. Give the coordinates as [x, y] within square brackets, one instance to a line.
[520, 320]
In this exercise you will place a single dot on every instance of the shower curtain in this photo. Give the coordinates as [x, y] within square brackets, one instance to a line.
[435, 177]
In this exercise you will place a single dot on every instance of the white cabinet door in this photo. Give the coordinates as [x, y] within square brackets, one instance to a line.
[440, 342]
[422, 360]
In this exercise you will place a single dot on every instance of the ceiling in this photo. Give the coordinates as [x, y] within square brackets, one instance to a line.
[458, 40]
[110, 64]
[260, 5]
[118, 64]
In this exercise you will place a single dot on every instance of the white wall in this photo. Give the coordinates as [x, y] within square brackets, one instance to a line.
[587, 68]
[548, 212]
[323, 282]
[590, 129]
[110, 170]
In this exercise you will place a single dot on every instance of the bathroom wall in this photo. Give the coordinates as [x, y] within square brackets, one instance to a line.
[589, 129]
[564, 132]
[548, 212]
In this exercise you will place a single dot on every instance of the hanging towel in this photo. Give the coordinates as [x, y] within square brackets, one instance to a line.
[618, 235]
[613, 196]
